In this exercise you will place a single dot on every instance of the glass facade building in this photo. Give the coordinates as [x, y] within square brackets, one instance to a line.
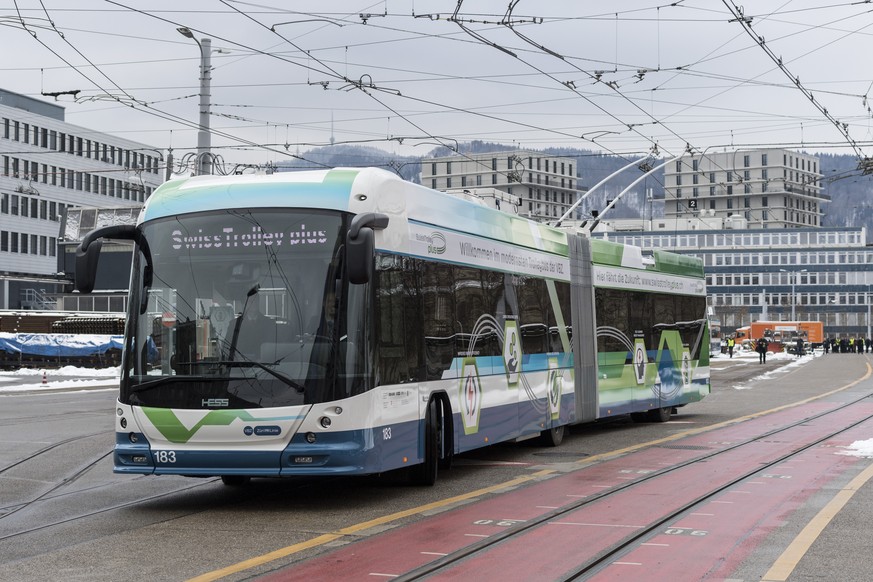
[826, 274]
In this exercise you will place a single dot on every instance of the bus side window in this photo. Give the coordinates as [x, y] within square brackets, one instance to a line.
[438, 311]
[532, 315]
[392, 364]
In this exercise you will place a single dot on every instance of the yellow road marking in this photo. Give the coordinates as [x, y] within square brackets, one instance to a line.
[352, 529]
[784, 566]
[699, 430]
[358, 527]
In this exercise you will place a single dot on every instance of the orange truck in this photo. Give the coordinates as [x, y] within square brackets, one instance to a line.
[783, 332]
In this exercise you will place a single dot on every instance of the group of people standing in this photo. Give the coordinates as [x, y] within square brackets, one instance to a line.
[844, 345]
[762, 346]
[850, 345]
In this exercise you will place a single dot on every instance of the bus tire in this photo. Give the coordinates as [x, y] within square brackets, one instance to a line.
[235, 480]
[425, 474]
[552, 437]
[660, 414]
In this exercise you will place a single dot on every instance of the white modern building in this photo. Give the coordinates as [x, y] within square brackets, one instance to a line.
[546, 185]
[819, 274]
[48, 166]
[768, 188]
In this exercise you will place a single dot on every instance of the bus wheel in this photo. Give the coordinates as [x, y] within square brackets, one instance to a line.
[552, 437]
[426, 473]
[660, 414]
[235, 480]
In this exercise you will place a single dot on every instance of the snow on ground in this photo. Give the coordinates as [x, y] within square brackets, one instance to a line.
[749, 357]
[29, 380]
[108, 378]
[859, 449]
[862, 449]
[68, 377]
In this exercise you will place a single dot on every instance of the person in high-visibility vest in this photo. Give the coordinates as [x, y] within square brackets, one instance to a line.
[730, 346]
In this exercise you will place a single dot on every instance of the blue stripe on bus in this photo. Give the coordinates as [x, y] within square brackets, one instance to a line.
[350, 452]
[495, 365]
[368, 451]
[204, 463]
[334, 453]
[132, 457]
[512, 421]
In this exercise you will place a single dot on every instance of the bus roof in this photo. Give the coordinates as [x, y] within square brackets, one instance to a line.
[358, 190]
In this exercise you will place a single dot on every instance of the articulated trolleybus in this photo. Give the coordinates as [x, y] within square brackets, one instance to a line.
[345, 322]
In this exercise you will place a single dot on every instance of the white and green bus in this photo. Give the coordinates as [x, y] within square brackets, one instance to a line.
[346, 321]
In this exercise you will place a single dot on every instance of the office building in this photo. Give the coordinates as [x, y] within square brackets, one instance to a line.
[48, 166]
[818, 274]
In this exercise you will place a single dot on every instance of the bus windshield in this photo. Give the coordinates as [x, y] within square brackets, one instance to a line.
[244, 309]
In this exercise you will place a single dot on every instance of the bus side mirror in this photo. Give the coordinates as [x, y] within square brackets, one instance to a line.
[88, 253]
[86, 266]
[361, 246]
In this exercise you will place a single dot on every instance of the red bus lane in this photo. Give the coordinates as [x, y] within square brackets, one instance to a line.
[710, 538]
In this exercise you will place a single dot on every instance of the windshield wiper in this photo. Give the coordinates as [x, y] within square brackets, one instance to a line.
[252, 364]
[145, 386]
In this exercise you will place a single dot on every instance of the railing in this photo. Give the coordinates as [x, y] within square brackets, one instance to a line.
[38, 299]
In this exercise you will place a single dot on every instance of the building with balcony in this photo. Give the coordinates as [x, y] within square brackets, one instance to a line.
[768, 188]
[546, 185]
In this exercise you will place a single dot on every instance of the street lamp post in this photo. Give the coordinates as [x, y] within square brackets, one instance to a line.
[204, 161]
[793, 281]
[867, 301]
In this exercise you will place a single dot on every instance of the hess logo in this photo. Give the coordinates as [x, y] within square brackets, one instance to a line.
[215, 402]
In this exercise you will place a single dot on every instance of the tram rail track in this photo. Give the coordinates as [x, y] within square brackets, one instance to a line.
[53, 490]
[596, 562]
[102, 510]
[41, 523]
[70, 478]
[49, 448]
[607, 554]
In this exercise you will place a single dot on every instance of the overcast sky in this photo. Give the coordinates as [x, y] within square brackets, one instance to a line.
[405, 76]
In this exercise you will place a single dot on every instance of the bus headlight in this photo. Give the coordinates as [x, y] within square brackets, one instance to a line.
[310, 437]
[324, 421]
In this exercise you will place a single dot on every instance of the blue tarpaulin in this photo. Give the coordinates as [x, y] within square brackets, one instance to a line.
[59, 344]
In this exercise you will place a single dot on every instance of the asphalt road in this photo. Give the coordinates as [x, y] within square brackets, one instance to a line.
[65, 516]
